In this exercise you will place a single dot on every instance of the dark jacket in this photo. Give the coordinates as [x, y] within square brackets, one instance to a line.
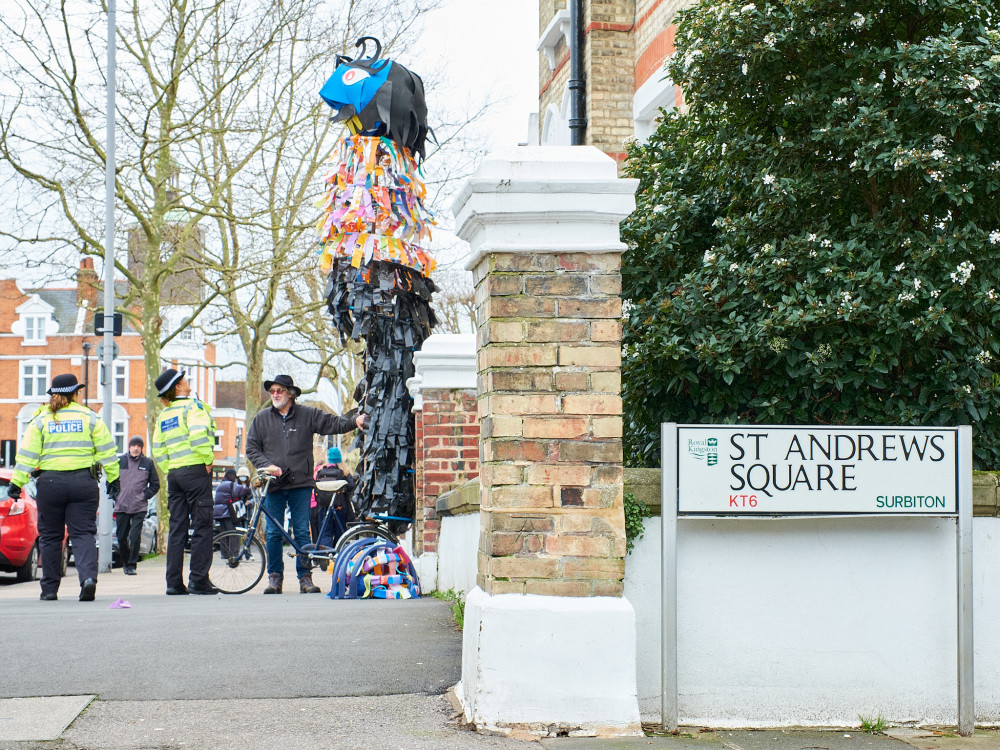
[226, 494]
[139, 502]
[288, 442]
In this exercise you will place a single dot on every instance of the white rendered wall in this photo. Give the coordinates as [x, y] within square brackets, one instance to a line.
[458, 551]
[807, 621]
[813, 622]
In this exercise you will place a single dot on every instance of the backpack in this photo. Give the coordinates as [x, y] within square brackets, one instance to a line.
[373, 569]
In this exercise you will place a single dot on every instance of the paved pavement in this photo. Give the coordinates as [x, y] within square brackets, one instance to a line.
[248, 672]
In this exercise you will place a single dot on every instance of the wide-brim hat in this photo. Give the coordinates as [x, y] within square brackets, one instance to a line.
[286, 382]
[65, 385]
[167, 379]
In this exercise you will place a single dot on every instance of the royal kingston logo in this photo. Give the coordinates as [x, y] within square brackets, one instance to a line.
[707, 449]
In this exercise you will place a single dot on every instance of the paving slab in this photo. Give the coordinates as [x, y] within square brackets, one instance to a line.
[684, 740]
[800, 739]
[38, 719]
[401, 722]
[947, 739]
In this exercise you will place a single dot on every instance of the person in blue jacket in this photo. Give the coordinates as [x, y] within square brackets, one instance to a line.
[227, 493]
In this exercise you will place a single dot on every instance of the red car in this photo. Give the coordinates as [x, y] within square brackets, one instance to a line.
[19, 532]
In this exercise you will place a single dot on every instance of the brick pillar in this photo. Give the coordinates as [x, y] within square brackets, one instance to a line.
[447, 441]
[543, 226]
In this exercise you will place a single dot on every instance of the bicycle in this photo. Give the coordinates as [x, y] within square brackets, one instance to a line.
[241, 559]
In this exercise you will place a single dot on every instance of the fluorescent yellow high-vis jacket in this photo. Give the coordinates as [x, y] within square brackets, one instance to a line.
[72, 438]
[184, 435]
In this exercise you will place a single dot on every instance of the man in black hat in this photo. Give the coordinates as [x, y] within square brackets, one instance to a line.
[280, 441]
[138, 482]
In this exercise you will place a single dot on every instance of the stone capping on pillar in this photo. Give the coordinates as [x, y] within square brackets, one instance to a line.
[550, 199]
[446, 360]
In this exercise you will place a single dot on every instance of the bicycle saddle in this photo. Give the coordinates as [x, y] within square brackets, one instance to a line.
[331, 485]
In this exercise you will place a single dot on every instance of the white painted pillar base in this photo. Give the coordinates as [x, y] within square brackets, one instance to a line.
[549, 665]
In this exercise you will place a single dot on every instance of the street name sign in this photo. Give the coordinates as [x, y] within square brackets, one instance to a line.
[778, 470]
[768, 471]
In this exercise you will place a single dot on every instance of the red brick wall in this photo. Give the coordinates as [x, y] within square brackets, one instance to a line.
[447, 436]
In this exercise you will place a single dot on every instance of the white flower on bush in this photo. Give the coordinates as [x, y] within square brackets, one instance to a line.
[935, 293]
[748, 8]
[826, 243]
[940, 140]
[962, 272]
[769, 179]
[779, 262]
[971, 82]
[858, 21]
[905, 296]
[734, 266]
[901, 267]
[770, 40]
[661, 209]
[984, 357]
[812, 237]
[937, 154]
[708, 258]
[846, 297]
[916, 285]
[992, 295]
[744, 68]
[995, 237]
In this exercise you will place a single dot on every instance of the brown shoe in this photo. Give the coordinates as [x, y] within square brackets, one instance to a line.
[306, 585]
[273, 583]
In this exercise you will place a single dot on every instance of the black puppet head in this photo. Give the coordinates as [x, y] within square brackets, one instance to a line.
[373, 96]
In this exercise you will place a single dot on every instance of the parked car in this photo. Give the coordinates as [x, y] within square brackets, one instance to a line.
[19, 531]
[147, 541]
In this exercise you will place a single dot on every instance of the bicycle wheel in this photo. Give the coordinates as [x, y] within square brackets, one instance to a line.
[361, 532]
[237, 562]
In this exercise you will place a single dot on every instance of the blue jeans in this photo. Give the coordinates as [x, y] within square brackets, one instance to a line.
[297, 501]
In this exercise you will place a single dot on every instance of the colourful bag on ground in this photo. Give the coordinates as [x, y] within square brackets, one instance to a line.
[372, 568]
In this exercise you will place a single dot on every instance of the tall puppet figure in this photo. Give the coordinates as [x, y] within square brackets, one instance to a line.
[374, 233]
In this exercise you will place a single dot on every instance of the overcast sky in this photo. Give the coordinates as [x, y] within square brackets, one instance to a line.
[486, 46]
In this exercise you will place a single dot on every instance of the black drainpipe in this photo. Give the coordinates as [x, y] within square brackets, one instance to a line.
[577, 85]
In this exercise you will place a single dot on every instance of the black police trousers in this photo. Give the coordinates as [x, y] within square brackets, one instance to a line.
[67, 500]
[189, 497]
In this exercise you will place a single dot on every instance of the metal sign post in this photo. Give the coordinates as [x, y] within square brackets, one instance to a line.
[712, 471]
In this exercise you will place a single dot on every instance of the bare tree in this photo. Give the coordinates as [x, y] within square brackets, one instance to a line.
[219, 137]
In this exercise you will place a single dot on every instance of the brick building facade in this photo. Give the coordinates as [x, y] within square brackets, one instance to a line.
[48, 331]
[625, 45]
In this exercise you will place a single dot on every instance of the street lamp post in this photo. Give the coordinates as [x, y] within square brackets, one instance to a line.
[104, 530]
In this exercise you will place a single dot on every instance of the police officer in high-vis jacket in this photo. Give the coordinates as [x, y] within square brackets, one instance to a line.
[66, 442]
[183, 446]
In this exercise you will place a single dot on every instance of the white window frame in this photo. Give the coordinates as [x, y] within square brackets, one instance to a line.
[35, 326]
[657, 93]
[218, 441]
[120, 370]
[22, 392]
[119, 422]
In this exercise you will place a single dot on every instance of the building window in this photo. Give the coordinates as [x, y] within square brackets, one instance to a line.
[186, 334]
[119, 436]
[34, 329]
[34, 379]
[120, 370]
[119, 427]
